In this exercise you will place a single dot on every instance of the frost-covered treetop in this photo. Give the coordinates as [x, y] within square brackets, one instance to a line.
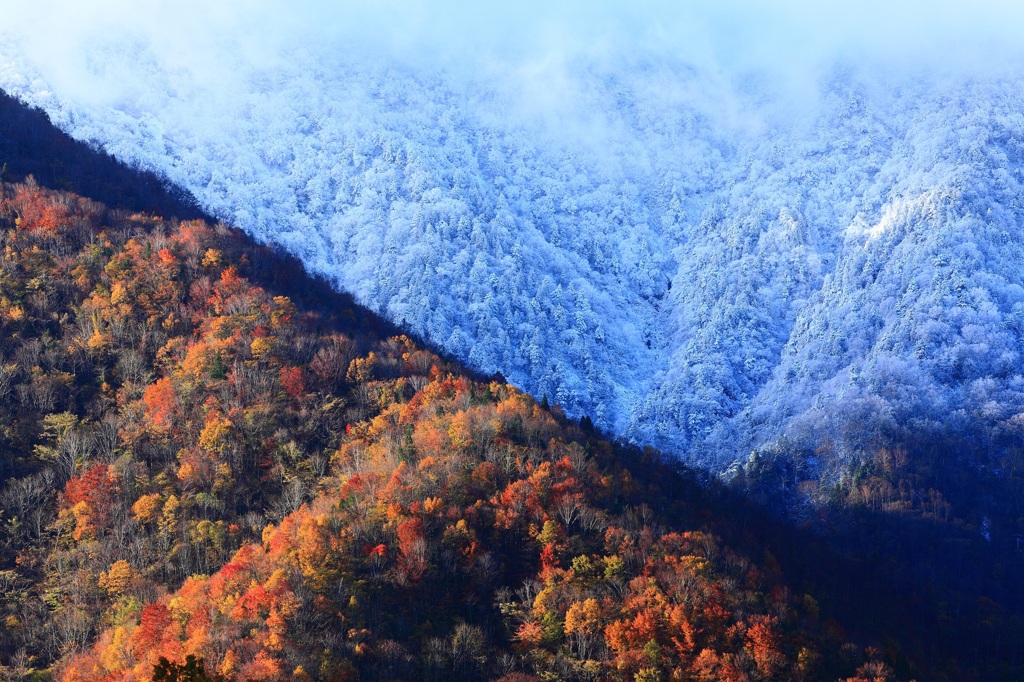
[690, 259]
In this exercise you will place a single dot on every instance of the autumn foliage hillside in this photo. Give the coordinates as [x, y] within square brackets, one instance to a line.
[196, 465]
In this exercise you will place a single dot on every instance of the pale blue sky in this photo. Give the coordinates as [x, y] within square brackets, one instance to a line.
[789, 41]
[734, 31]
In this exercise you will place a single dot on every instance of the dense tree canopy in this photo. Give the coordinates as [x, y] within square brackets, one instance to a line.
[212, 466]
[197, 467]
[672, 254]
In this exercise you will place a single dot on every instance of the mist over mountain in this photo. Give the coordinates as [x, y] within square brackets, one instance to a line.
[697, 242]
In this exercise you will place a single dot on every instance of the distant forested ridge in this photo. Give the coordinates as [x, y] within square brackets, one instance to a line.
[30, 145]
[686, 261]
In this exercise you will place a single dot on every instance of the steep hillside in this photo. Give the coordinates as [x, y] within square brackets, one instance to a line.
[171, 390]
[673, 254]
[195, 466]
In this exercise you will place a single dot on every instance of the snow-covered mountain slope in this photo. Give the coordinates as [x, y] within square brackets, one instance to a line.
[641, 241]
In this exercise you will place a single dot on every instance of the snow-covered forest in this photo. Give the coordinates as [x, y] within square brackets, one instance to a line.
[671, 251]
